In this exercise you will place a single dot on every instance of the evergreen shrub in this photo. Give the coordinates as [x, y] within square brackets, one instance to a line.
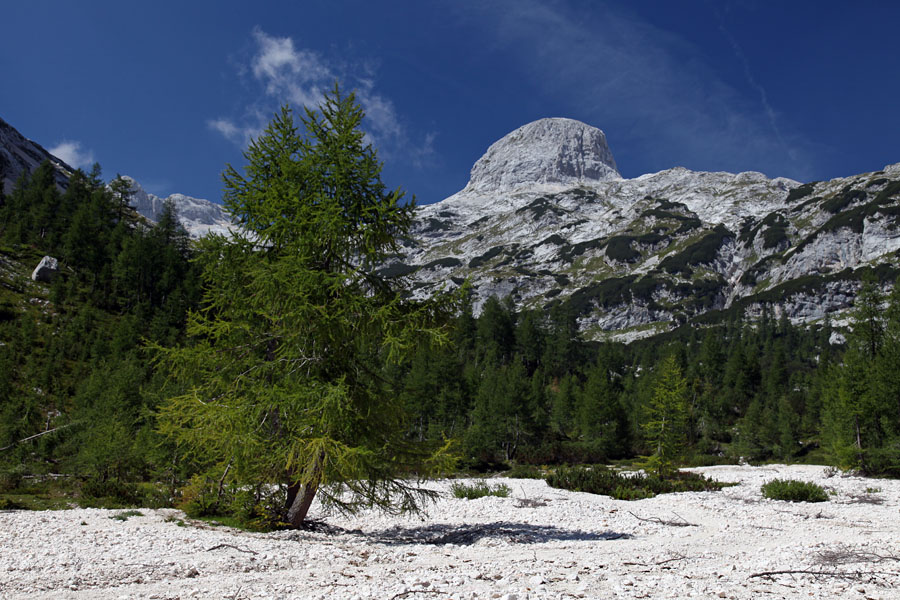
[525, 472]
[602, 480]
[792, 490]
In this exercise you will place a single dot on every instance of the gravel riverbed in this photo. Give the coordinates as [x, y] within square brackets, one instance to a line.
[538, 543]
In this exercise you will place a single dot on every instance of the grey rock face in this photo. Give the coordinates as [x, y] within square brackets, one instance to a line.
[46, 270]
[638, 256]
[198, 216]
[18, 154]
[544, 151]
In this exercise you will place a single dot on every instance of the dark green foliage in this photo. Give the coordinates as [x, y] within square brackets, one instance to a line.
[396, 270]
[703, 251]
[435, 225]
[447, 263]
[479, 489]
[602, 480]
[484, 258]
[525, 472]
[686, 223]
[791, 490]
[800, 191]
[555, 239]
[619, 248]
[843, 199]
[542, 206]
[568, 252]
[774, 235]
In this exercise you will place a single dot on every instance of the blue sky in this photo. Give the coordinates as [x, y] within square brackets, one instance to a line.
[169, 92]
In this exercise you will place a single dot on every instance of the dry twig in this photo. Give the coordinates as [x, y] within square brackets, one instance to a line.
[231, 546]
[658, 521]
[408, 592]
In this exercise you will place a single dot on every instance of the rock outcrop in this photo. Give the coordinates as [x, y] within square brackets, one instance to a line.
[46, 270]
[560, 151]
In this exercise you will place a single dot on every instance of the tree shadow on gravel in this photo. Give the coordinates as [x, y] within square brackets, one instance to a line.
[464, 535]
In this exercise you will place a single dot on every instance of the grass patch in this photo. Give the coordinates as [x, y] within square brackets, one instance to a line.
[791, 490]
[479, 489]
[602, 480]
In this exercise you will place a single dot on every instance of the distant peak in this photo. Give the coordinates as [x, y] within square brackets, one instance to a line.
[553, 150]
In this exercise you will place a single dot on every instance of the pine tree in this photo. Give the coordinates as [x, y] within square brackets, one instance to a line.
[285, 372]
[666, 414]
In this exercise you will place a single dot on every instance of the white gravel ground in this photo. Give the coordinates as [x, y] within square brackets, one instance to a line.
[573, 545]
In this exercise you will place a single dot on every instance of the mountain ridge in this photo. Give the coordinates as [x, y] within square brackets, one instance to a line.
[634, 257]
[547, 220]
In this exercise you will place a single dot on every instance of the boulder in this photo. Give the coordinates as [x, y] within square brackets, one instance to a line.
[46, 270]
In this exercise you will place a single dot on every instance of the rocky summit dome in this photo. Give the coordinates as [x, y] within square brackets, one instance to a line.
[544, 151]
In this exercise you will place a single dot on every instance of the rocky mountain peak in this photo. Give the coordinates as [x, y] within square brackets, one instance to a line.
[557, 150]
[198, 216]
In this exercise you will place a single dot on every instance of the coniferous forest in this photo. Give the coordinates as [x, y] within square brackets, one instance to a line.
[82, 389]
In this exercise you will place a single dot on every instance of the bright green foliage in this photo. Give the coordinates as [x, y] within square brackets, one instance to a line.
[285, 381]
[479, 489]
[792, 490]
[666, 417]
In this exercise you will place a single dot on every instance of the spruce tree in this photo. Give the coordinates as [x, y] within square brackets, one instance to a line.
[285, 373]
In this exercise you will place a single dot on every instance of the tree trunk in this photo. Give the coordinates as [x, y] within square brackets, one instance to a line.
[300, 497]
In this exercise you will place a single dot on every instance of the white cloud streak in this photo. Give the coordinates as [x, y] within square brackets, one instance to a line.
[650, 85]
[301, 77]
[73, 154]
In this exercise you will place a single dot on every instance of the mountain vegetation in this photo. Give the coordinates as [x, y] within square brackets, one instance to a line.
[154, 369]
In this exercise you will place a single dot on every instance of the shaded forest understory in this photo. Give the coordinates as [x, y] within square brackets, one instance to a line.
[79, 392]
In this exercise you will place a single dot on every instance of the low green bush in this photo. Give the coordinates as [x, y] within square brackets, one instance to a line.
[792, 490]
[525, 472]
[602, 480]
[10, 504]
[124, 515]
[479, 489]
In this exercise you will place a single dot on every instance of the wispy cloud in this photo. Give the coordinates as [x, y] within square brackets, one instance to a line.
[72, 153]
[285, 72]
[651, 86]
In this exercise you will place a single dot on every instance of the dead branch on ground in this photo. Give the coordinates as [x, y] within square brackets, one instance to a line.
[231, 546]
[409, 592]
[849, 575]
[847, 556]
[682, 523]
[677, 557]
